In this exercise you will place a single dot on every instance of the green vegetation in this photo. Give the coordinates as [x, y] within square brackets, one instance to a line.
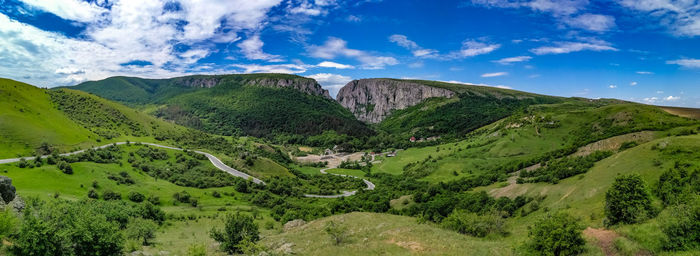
[238, 231]
[628, 200]
[235, 106]
[557, 234]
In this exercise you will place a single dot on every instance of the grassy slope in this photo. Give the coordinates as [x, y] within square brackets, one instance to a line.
[28, 118]
[517, 138]
[383, 234]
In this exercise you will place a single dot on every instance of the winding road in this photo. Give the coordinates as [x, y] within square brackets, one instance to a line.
[215, 161]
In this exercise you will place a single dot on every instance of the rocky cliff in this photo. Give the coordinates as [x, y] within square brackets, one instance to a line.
[305, 85]
[372, 100]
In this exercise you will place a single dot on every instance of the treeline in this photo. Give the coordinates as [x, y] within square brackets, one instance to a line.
[558, 169]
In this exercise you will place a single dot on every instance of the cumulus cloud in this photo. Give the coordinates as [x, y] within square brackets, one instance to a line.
[633, 83]
[591, 22]
[469, 48]
[274, 68]
[76, 10]
[612, 86]
[686, 63]
[330, 64]
[252, 50]
[567, 12]
[167, 40]
[336, 47]
[417, 51]
[494, 74]
[672, 98]
[568, 47]
[331, 82]
[511, 60]
[681, 17]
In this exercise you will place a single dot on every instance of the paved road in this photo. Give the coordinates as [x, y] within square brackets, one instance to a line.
[370, 186]
[214, 160]
[217, 163]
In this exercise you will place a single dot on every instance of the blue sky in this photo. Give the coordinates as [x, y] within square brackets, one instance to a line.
[641, 50]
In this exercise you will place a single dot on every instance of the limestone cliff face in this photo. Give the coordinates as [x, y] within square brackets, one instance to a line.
[372, 100]
[308, 86]
[305, 85]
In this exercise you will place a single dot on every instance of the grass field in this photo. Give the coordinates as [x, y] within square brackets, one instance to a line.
[351, 172]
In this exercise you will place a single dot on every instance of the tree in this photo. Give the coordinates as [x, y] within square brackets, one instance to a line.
[238, 229]
[557, 234]
[36, 237]
[628, 200]
[65, 167]
[111, 195]
[7, 190]
[337, 232]
[8, 223]
[136, 197]
[142, 230]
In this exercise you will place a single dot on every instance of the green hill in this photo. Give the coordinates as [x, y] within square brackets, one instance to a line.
[29, 118]
[286, 107]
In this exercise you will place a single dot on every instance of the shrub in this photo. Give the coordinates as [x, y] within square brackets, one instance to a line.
[681, 224]
[155, 200]
[182, 197]
[337, 232]
[628, 200]
[65, 167]
[142, 230]
[111, 195]
[8, 223]
[557, 234]
[136, 197]
[216, 194]
[93, 194]
[238, 230]
[473, 224]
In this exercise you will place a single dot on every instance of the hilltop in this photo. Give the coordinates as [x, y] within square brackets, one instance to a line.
[285, 108]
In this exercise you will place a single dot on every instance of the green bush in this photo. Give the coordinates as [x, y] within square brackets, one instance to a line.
[136, 197]
[8, 223]
[628, 201]
[65, 167]
[557, 234]
[238, 230]
[473, 224]
[681, 224]
[111, 195]
[93, 194]
[141, 230]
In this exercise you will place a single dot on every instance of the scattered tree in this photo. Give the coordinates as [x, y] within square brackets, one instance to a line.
[337, 232]
[238, 230]
[628, 200]
[142, 230]
[557, 234]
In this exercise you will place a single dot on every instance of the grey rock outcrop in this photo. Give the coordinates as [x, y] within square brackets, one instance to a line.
[305, 85]
[372, 100]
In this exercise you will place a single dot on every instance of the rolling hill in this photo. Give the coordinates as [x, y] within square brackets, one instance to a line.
[286, 107]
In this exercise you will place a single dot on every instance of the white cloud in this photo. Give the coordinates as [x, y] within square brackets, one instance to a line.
[168, 41]
[651, 100]
[477, 84]
[331, 82]
[568, 47]
[659, 92]
[336, 47]
[511, 60]
[416, 50]
[612, 86]
[469, 48]
[494, 74]
[591, 22]
[672, 98]
[252, 50]
[633, 83]
[682, 17]
[275, 68]
[76, 10]
[686, 63]
[565, 11]
[472, 48]
[644, 73]
[330, 64]
[417, 64]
